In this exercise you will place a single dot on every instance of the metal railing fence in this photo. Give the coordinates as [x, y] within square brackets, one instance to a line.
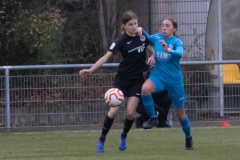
[69, 100]
[191, 16]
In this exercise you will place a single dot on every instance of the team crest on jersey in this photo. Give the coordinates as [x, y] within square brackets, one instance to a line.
[142, 38]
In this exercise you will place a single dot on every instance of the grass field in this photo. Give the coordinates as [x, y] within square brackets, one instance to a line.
[157, 144]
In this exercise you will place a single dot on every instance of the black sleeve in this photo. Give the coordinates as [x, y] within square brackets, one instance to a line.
[115, 46]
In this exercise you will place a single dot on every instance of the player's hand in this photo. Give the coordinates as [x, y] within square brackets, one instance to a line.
[164, 46]
[84, 72]
[151, 60]
[139, 31]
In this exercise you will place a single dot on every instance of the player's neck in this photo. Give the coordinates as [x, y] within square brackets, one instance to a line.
[168, 36]
[131, 34]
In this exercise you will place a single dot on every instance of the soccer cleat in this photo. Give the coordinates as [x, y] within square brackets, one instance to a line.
[189, 144]
[163, 125]
[100, 146]
[151, 123]
[123, 143]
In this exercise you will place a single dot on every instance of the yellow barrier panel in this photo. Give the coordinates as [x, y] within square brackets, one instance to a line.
[231, 74]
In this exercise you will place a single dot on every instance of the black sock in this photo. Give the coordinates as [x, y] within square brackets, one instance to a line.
[106, 127]
[127, 127]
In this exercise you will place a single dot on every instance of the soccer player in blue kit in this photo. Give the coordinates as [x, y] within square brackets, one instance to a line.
[167, 74]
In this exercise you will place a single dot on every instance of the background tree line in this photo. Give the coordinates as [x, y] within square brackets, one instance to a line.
[34, 32]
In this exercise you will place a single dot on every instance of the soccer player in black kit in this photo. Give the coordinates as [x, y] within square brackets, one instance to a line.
[129, 78]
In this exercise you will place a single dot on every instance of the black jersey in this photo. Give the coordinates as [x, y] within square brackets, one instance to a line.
[133, 51]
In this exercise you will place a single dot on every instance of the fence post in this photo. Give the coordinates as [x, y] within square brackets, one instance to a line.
[220, 57]
[149, 17]
[7, 98]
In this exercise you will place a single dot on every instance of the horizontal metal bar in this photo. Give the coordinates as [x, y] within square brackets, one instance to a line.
[209, 62]
[107, 65]
[55, 66]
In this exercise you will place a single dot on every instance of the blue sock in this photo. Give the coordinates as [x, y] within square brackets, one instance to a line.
[185, 123]
[149, 105]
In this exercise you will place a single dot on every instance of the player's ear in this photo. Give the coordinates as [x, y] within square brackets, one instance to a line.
[124, 26]
[174, 30]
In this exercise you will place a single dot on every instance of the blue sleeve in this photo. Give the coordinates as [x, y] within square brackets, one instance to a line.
[149, 37]
[178, 49]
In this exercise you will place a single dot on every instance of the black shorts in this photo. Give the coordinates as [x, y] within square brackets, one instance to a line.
[130, 87]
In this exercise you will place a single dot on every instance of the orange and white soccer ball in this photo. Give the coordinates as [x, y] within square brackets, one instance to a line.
[114, 97]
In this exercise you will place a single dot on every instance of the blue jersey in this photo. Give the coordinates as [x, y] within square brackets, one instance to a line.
[167, 66]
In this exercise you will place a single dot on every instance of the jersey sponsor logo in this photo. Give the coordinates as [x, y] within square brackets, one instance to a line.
[139, 49]
[129, 42]
[113, 45]
[142, 38]
[162, 56]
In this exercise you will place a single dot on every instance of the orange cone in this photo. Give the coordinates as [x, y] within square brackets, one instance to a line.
[224, 124]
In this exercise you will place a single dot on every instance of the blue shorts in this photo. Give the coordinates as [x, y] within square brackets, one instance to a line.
[175, 92]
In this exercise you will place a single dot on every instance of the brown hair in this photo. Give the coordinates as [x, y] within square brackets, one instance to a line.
[174, 23]
[127, 16]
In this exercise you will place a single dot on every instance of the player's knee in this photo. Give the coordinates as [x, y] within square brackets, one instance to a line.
[147, 89]
[130, 115]
[180, 114]
[181, 117]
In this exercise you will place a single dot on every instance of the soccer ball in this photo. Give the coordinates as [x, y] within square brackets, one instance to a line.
[114, 97]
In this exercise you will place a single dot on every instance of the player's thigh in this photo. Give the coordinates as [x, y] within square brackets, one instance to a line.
[157, 86]
[133, 95]
[132, 103]
[177, 95]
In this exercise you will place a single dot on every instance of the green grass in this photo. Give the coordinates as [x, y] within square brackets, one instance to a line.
[156, 144]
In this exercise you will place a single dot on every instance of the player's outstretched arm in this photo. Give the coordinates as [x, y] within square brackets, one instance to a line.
[149, 37]
[99, 63]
